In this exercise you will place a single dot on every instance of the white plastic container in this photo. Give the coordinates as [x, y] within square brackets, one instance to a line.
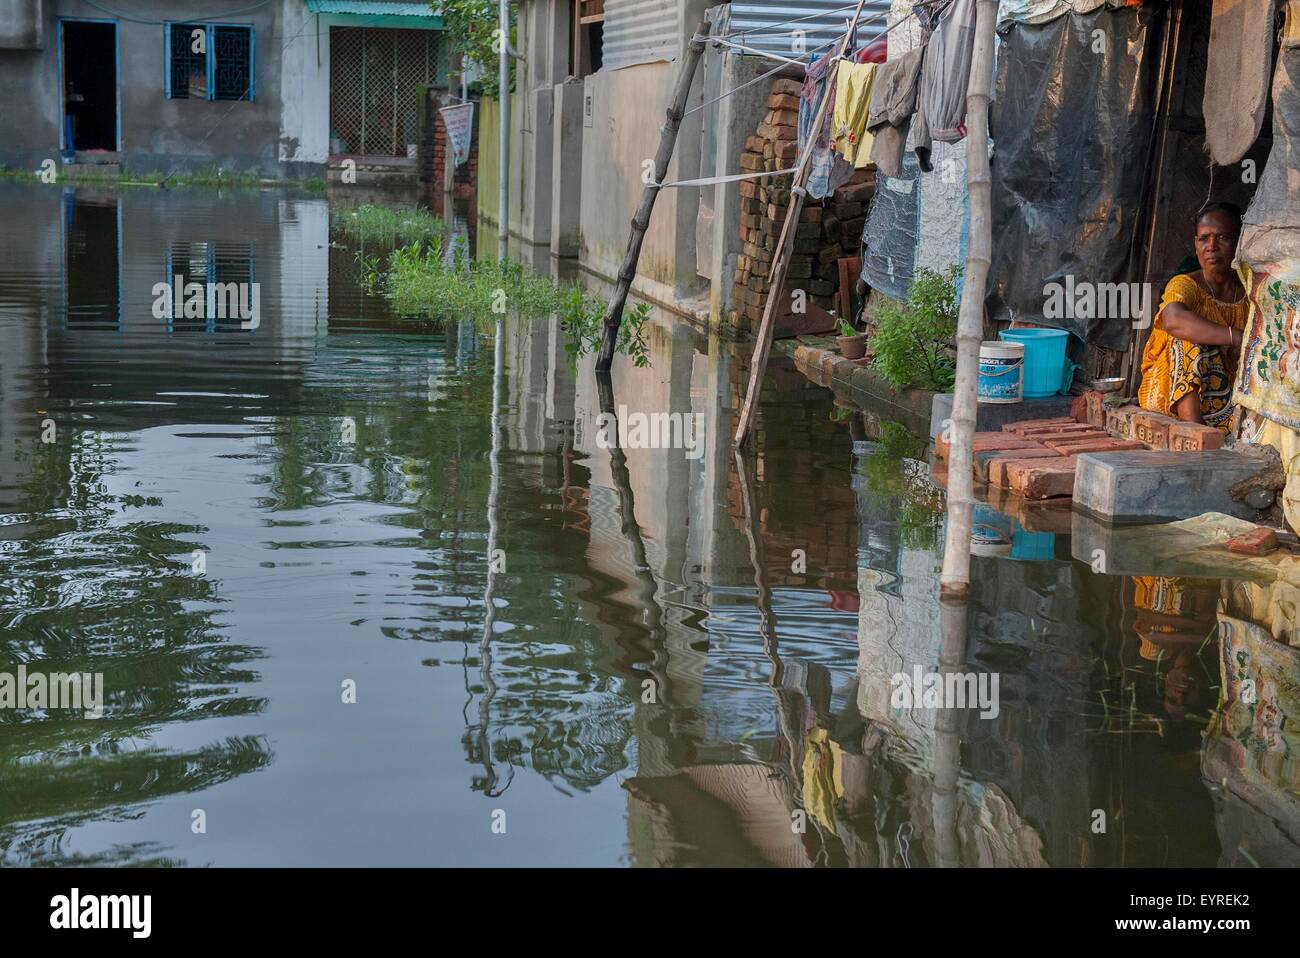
[1002, 372]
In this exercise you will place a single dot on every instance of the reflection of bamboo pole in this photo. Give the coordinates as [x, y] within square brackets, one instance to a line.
[789, 724]
[785, 245]
[948, 725]
[641, 221]
[489, 596]
[622, 480]
[955, 579]
[766, 617]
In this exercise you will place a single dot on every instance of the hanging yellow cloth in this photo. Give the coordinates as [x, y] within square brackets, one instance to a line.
[853, 85]
[1173, 367]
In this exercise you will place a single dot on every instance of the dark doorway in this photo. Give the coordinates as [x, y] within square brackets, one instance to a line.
[90, 84]
[92, 269]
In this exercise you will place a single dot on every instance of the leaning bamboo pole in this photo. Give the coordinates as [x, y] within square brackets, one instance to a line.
[785, 246]
[954, 582]
[641, 220]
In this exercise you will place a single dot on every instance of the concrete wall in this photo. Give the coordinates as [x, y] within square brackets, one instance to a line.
[156, 133]
[21, 25]
[733, 119]
[303, 143]
[489, 154]
[284, 131]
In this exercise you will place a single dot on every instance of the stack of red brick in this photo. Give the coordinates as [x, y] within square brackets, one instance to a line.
[827, 230]
[1036, 458]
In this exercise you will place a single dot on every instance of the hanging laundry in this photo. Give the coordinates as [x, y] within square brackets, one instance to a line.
[814, 85]
[942, 107]
[893, 101]
[1237, 71]
[827, 170]
[853, 85]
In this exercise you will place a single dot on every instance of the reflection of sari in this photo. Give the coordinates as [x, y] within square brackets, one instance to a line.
[1173, 367]
[1172, 611]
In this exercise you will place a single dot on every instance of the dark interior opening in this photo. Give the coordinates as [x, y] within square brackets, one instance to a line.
[90, 84]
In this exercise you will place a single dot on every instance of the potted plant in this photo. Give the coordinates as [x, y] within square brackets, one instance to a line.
[853, 344]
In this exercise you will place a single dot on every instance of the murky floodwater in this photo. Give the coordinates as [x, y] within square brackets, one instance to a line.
[554, 659]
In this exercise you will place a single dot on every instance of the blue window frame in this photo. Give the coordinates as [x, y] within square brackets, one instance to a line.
[221, 68]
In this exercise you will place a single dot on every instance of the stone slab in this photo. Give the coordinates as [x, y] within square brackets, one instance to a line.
[1156, 486]
[991, 417]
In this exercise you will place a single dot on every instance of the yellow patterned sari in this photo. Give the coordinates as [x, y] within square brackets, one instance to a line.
[1173, 367]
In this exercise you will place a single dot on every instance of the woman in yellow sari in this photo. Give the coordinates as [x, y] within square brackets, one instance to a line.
[1191, 356]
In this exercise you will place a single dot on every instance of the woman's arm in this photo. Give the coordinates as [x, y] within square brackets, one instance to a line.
[1179, 321]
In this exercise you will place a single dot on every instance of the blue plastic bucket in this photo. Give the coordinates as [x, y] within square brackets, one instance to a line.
[1032, 546]
[1046, 368]
[990, 531]
[1001, 371]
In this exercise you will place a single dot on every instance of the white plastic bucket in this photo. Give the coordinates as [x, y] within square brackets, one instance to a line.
[1002, 371]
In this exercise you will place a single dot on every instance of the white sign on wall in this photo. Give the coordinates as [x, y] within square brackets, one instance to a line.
[459, 121]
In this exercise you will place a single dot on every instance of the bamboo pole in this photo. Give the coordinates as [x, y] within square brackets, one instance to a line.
[785, 246]
[641, 220]
[954, 582]
[503, 132]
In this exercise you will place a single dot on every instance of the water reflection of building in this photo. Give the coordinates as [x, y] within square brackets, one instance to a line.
[723, 721]
[91, 581]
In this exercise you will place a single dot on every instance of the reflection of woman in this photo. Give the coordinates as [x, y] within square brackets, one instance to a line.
[1188, 363]
[1174, 618]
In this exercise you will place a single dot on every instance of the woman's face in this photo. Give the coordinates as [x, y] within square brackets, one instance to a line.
[1216, 242]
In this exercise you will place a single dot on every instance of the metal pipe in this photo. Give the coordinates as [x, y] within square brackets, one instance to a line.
[503, 135]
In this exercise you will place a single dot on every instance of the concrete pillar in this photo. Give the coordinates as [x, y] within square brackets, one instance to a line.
[737, 117]
[537, 174]
[566, 168]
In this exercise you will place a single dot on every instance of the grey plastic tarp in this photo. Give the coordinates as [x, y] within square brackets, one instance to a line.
[1072, 123]
[889, 233]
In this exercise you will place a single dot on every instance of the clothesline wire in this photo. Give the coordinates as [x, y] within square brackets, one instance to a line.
[777, 69]
[763, 27]
[762, 76]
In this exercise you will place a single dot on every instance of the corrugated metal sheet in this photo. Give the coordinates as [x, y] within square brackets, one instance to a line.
[378, 12]
[639, 31]
[827, 22]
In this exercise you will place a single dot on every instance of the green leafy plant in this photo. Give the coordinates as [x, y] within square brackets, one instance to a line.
[386, 225]
[581, 320]
[844, 327]
[470, 26]
[422, 280]
[912, 343]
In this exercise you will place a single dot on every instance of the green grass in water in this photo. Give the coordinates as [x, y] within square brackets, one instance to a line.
[391, 226]
[419, 279]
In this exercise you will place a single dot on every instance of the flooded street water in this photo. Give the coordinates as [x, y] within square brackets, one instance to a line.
[686, 661]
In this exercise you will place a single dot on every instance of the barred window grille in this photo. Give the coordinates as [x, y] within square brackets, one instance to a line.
[232, 63]
[375, 79]
[222, 67]
[189, 70]
[208, 264]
